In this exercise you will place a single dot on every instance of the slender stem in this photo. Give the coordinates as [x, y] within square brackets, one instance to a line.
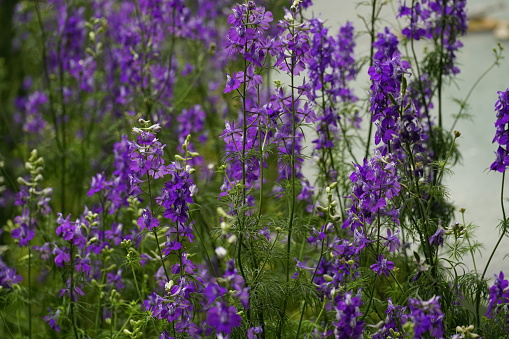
[71, 292]
[371, 53]
[462, 107]
[5, 323]
[29, 291]
[136, 283]
[502, 235]
[155, 232]
[468, 239]
[312, 278]
[441, 67]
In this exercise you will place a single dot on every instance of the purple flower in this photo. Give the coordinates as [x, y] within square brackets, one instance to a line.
[441, 21]
[177, 194]
[233, 82]
[348, 324]
[396, 318]
[115, 279]
[253, 332]
[382, 266]
[427, 318]
[70, 231]
[375, 184]
[8, 275]
[83, 264]
[499, 295]
[24, 234]
[392, 240]
[223, 317]
[386, 77]
[147, 221]
[52, 319]
[61, 256]
[437, 239]
[386, 45]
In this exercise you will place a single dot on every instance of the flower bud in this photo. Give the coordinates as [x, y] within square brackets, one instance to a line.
[221, 252]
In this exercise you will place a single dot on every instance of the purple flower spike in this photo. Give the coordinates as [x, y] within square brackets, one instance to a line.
[348, 325]
[502, 132]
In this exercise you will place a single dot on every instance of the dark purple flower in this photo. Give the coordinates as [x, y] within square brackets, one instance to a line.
[83, 264]
[382, 266]
[223, 317]
[385, 97]
[499, 295]
[147, 221]
[440, 21]
[437, 239]
[385, 45]
[177, 194]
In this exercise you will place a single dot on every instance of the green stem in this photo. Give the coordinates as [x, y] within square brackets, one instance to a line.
[71, 293]
[5, 323]
[136, 283]
[371, 53]
[502, 235]
[468, 240]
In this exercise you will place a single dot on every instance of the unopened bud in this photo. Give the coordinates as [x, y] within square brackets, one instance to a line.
[221, 252]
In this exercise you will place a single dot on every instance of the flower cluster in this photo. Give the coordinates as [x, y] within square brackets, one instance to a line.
[375, 184]
[386, 76]
[442, 21]
[348, 324]
[8, 275]
[331, 68]
[427, 318]
[394, 321]
[115, 190]
[499, 296]
[502, 132]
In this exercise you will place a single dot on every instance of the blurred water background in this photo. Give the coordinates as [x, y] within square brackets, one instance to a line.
[472, 186]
